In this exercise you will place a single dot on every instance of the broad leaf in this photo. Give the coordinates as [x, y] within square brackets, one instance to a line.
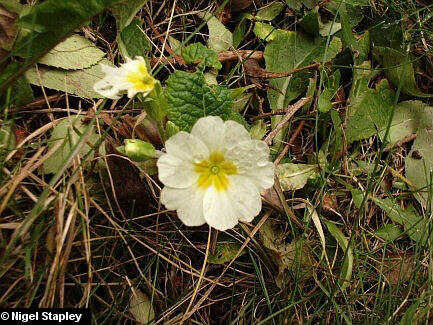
[132, 41]
[269, 11]
[419, 166]
[124, 11]
[78, 82]
[294, 257]
[140, 307]
[398, 68]
[415, 226]
[76, 52]
[369, 110]
[189, 98]
[294, 176]
[408, 117]
[225, 252]
[69, 132]
[220, 38]
[197, 53]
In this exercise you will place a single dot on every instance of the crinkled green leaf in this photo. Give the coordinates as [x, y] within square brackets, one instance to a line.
[76, 52]
[189, 98]
[224, 252]
[369, 110]
[125, 10]
[68, 130]
[76, 82]
[398, 68]
[294, 176]
[419, 165]
[347, 267]
[197, 53]
[220, 38]
[132, 41]
[269, 11]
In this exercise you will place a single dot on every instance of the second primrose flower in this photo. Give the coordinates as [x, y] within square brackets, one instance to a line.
[215, 174]
[131, 77]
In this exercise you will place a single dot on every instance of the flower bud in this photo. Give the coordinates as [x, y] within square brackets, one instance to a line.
[138, 150]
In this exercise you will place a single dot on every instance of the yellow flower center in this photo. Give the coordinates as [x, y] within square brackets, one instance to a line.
[215, 172]
[141, 80]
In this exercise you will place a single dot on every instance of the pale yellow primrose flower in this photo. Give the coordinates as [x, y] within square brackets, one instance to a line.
[131, 76]
[215, 174]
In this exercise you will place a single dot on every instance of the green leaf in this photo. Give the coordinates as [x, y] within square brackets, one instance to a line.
[189, 98]
[125, 10]
[258, 130]
[197, 53]
[324, 103]
[369, 110]
[76, 52]
[348, 36]
[7, 136]
[45, 29]
[139, 150]
[141, 307]
[415, 226]
[419, 165]
[312, 24]
[175, 45]
[294, 176]
[21, 93]
[297, 4]
[388, 232]
[329, 28]
[78, 82]
[269, 11]
[12, 6]
[305, 50]
[69, 132]
[265, 31]
[294, 257]
[398, 68]
[220, 38]
[224, 252]
[239, 32]
[346, 270]
[408, 117]
[9, 31]
[132, 41]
